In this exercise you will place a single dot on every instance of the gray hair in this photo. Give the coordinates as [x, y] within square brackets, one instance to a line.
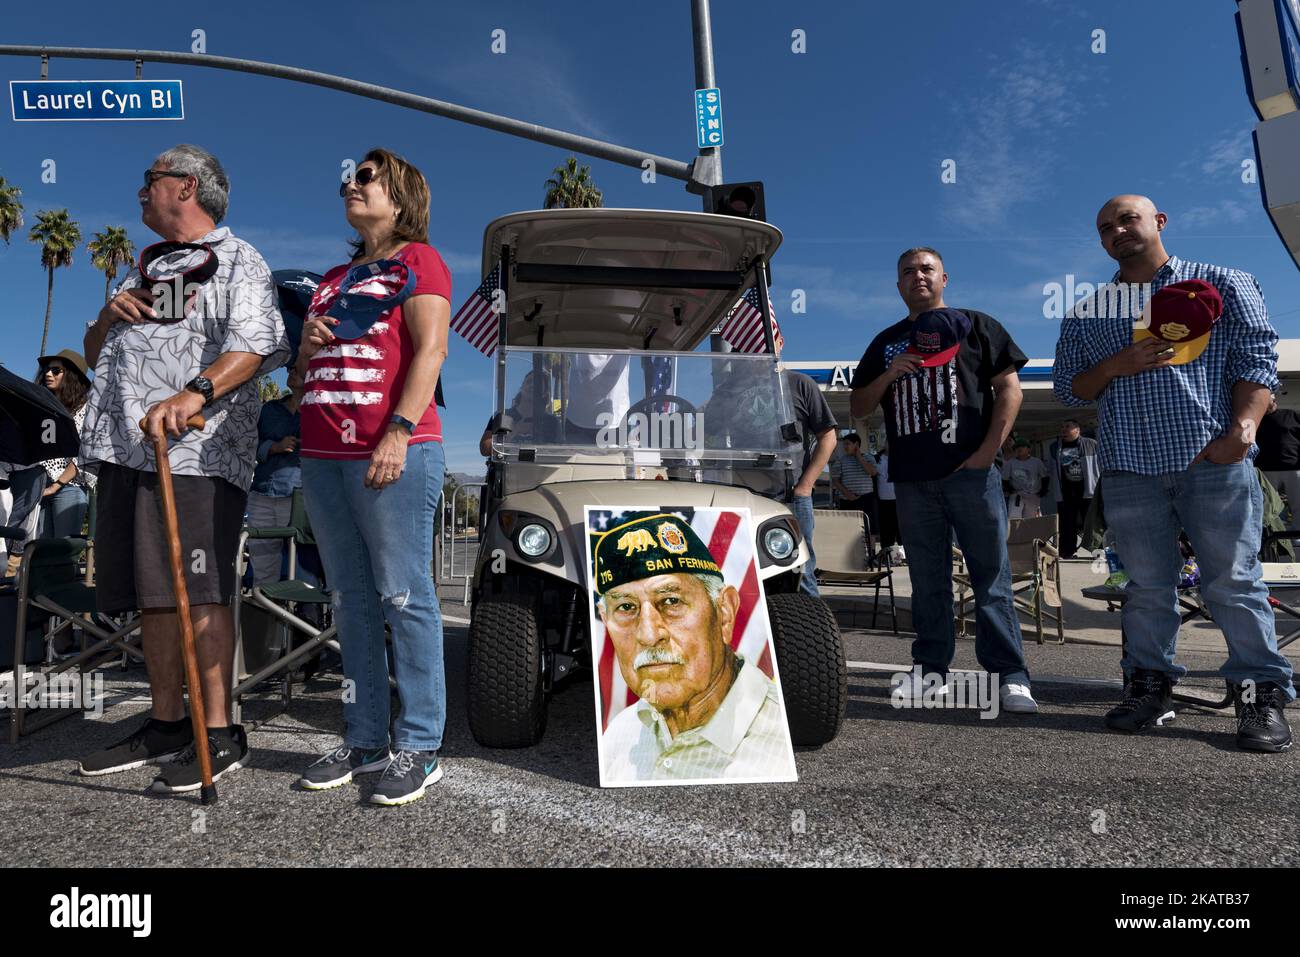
[214, 186]
[713, 585]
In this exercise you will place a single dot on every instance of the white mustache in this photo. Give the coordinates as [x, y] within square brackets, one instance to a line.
[656, 656]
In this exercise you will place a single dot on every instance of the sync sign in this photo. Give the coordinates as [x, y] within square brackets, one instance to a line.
[708, 117]
[35, 100]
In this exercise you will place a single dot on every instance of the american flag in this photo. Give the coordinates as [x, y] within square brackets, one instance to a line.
[730, 537]
[477, 320]
[743, 327]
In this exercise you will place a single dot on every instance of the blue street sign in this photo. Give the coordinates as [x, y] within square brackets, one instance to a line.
[708, 117]
[35, 100]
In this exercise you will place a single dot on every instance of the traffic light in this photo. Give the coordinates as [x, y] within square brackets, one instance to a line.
[738, 199]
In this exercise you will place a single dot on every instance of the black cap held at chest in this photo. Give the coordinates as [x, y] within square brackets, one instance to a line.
[936, 335]
[184, 265]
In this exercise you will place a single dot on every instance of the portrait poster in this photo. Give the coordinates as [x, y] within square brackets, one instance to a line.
[686, 684]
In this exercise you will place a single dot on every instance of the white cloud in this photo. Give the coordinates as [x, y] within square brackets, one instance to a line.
[1226, 212]
[1006, 146]
[1223, 157]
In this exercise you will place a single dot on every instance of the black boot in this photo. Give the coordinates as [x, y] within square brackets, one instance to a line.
[1261, 725]
[1147, 700]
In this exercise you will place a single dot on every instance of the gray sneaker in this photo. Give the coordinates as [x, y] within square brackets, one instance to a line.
[338, 767]
[406, 777]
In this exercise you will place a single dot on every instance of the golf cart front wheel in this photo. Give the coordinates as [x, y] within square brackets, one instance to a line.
[506, 698]
[810, 656]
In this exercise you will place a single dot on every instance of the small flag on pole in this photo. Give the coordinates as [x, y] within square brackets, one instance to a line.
[743, 327]
[476, 321]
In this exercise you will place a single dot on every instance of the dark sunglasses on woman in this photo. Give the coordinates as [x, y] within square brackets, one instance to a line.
[56, 370]
[361, 177]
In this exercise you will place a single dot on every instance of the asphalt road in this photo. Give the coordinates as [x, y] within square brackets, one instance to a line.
[896, 788]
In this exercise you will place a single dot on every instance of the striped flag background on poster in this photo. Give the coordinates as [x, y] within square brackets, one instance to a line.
[743, 327]
[476, 321]
[729, 535]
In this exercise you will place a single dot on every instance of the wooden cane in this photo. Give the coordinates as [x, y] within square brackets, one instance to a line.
[167, 497]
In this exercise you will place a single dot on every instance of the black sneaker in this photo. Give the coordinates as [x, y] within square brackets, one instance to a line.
[339, 765]
[1261, 725]
[229, 750]
[149, 744]
[1148, 699]
[406, 777]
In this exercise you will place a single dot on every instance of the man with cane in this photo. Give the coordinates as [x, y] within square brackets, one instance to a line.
[185, 335]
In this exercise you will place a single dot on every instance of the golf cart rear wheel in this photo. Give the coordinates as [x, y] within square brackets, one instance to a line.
[810, 656]
[506, 699]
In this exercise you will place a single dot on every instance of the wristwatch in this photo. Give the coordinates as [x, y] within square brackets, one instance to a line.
[403, 422]
[202, 386]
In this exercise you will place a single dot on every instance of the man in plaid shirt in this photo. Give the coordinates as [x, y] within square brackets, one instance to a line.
[1179, 403]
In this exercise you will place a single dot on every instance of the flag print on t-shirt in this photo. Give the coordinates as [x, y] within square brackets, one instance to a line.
[352, 388]
[926, 400]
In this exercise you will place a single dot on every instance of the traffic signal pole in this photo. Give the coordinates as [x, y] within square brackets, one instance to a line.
[708, 166]
[663, 165]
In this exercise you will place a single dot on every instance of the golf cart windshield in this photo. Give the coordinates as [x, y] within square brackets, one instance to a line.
[656, 412]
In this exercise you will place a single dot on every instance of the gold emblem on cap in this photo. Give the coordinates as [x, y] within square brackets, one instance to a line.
[637, 540]
[1191, 295]
[671, 538]
[1174, 331]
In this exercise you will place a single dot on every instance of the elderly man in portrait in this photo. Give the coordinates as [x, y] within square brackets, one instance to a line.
[165, 357]
[704, 712]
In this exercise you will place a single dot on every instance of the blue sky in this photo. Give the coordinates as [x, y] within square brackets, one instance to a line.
[849, 138]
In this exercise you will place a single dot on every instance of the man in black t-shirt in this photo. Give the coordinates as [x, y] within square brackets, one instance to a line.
[1072, 467]
[816, 424]
[1278, 438]
[946, 380]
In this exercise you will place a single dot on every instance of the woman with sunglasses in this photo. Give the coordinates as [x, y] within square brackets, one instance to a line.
[372, 470]
[67, 496]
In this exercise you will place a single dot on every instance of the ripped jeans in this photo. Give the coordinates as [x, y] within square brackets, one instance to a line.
[377, 548]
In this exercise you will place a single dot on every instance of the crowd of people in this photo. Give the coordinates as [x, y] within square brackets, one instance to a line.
[359, 437]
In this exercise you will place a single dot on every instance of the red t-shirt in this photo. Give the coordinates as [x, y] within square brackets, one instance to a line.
[353, 388]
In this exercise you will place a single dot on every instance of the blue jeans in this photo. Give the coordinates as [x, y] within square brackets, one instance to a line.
[377, 547]
[802, 507]
[1221, 508]
[970, 503]
[63, 513]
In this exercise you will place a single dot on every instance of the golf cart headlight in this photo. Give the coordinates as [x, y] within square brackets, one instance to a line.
[534, 540]
[779, 543]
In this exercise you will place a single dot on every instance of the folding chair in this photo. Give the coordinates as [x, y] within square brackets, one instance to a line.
[846, 556]
[1036, 572]
[52, 589]
[284, 602]
[1281, 576]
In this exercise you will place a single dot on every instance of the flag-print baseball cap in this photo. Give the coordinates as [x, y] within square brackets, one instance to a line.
[367, 292]
[936, 335]
[1182, 314]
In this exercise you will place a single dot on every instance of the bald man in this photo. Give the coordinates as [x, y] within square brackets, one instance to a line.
[1180, 358]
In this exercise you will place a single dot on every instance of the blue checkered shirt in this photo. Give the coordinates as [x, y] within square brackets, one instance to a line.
[1156, 422]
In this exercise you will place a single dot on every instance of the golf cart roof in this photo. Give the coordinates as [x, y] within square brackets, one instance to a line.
[623, 278]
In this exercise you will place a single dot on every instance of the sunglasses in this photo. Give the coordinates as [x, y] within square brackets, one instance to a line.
[152, 175]
[362, 176]
[55, 370]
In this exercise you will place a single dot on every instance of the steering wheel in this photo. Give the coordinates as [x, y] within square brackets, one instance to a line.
[644, 405]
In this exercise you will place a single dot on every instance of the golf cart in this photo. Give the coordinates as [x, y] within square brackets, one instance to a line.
[603, 399]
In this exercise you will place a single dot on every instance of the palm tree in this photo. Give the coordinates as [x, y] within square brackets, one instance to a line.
[59, 236]
[109, 250]
[572, 188]
[11, 211]
[267, 390]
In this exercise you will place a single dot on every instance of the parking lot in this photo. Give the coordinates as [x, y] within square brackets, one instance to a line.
[896, 787]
